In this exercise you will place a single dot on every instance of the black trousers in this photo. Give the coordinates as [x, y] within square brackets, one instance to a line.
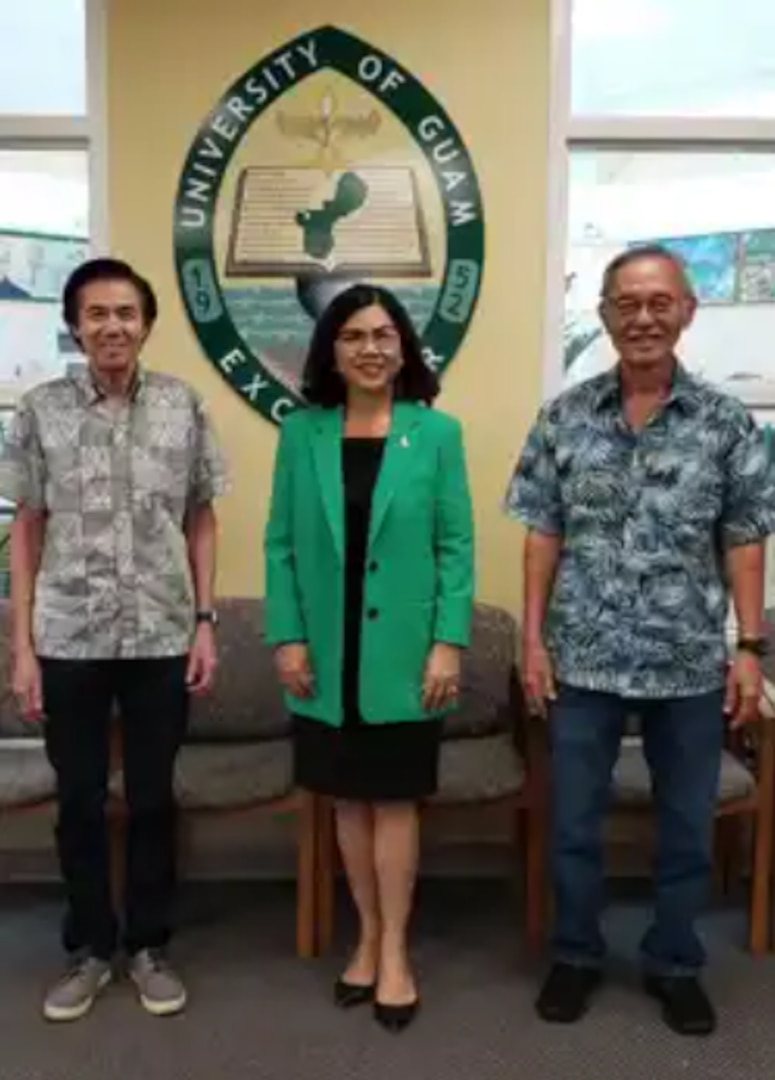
[78, 699]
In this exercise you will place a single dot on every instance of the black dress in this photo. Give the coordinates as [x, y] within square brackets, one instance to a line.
[365, 762]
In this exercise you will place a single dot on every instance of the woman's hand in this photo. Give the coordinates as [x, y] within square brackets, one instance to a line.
[441, 680]
[294, 669]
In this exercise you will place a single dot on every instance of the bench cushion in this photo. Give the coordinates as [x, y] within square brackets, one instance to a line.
[475, 770]
[26, 778]
[223, 776]
[632, 783]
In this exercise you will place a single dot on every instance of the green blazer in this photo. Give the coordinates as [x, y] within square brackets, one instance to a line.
[419, 564]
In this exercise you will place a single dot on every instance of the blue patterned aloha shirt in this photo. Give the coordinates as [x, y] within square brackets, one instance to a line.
[639, 603]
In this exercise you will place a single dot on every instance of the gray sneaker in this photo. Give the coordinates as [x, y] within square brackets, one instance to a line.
[74, 994]
[161, 991]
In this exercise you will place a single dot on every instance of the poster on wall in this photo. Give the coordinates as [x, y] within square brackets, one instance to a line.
[35, 266]
[6, 417]
[34, 345]
[326, 164]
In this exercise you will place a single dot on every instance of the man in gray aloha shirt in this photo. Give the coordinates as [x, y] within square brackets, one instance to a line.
[647, 495]
[113, 471]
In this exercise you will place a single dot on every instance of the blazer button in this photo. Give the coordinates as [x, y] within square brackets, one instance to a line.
[372, 613]
[373, 566]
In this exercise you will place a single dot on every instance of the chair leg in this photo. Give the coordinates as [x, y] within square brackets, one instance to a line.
[726, 853]
[761, 884]
[519, 843]
[325, 863]
[536, 884]
[305, 878]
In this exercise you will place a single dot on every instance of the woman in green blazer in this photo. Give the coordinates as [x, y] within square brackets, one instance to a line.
[369, 569]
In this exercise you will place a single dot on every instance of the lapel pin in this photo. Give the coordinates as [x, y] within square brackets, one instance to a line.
[404, 441]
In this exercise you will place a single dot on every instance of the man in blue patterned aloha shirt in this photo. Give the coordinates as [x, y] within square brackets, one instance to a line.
[648, 496]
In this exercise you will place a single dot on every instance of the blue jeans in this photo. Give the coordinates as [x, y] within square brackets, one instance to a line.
[683, 739]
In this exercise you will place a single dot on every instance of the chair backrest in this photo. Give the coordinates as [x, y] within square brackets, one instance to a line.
[12, 724]
[485, 689]
[246, 703]
[247, 700]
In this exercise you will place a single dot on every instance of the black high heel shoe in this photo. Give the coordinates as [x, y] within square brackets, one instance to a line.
[396, 1018]
[347, 995]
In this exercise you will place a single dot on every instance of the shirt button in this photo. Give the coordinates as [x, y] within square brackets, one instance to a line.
[373, 566]
[372, 613]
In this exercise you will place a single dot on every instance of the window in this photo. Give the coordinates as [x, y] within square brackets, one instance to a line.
[668, 134]
[43, 58]
[673, 58]
[44, 234]
[45, 191]
[664, 129]
[715, 209]
[46, 150]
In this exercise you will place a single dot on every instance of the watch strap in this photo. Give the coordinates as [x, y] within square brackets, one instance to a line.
[758, 646]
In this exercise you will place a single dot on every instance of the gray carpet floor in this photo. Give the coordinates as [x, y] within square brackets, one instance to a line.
[256, 1012]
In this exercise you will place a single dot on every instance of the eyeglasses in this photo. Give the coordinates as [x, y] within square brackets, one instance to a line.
[386, 340]
[627, 308]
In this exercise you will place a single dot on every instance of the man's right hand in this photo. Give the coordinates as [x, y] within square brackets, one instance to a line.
[537, 677]
[27, 684]
[294, 670]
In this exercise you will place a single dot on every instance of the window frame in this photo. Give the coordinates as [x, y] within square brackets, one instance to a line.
[568, 132]
[86, 133]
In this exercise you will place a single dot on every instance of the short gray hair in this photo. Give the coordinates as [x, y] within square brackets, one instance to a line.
[645, 251]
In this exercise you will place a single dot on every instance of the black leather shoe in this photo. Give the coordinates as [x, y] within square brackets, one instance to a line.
[396, 1018]
[347, 995]
[565, 995]
[686, 1007]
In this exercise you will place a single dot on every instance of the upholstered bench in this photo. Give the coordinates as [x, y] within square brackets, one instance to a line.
[26, 778]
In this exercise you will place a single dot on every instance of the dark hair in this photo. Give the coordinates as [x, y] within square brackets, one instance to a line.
[323, 385]
[106, 270]
[644, 251]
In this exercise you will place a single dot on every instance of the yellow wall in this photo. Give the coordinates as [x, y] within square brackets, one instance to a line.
[168, 63]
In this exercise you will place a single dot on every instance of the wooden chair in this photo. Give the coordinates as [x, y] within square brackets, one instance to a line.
[492, 755]
[754, 749]
[27, 781]
[745, 796]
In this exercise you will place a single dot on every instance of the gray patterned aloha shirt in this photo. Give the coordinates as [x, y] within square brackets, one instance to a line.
[639, 603]
[115, 479]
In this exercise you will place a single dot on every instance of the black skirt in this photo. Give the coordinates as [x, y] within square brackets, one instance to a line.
[364, 762]
[368, 762]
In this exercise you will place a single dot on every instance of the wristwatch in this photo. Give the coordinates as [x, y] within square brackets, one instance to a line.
[208, 616]
[759, 646]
